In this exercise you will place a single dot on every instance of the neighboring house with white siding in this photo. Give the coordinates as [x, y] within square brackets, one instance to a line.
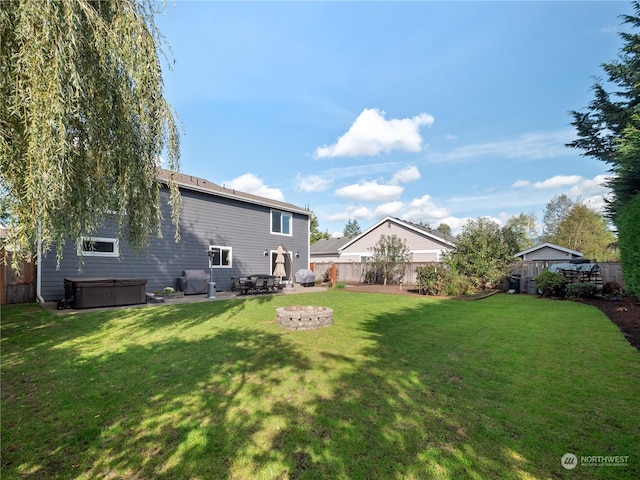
[425, 244]
[242, 230]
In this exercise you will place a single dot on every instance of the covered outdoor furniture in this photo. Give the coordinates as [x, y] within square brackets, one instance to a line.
[305, 277]
[575, 272]
[192, 282]
[258, 283]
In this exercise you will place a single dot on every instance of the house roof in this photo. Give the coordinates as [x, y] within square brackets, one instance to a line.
[434, 234]
[549, 245]
[202, 185]
[329, 245]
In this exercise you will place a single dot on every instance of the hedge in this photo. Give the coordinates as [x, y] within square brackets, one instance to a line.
[628, 223]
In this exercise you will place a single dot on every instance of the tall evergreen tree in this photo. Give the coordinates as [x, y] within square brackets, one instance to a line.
[612, 118]
[352, 229]
[83, 120]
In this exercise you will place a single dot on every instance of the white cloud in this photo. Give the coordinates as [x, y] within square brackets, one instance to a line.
[312, 183]
[558, 181]
[371, 134]
[456, 223]
[424, 209]
[357, 212]
[591, 186]
[406, 175]
[249, 183]
[533, 145]
[526, 195]
[370, 191]
[592, 191]
[389, 209]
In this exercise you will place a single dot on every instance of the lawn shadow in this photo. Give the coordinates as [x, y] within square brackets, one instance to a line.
[428, 406]
[142, 410]
[218, 393]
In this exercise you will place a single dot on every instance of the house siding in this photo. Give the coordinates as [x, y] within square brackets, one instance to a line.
[548, 253]
[423, 248]
[205, 220]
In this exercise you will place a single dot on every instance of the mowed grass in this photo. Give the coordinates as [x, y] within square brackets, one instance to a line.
[399, 387]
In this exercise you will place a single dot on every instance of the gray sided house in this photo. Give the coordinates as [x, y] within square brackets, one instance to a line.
[243, 230]
[548, 252]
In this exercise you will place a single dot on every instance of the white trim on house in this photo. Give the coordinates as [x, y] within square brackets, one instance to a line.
[85, 252]
[439, 253]
[284, 215]
[404, 224]
[221, 257]
[549, 245]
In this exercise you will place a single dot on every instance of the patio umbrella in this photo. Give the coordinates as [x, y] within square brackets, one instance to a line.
[279, 270]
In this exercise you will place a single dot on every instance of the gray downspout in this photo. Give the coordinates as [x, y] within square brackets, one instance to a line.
[38, 264]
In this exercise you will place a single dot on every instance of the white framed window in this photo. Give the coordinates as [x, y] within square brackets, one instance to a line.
[220, 257]
[99, 247]
[281, 222]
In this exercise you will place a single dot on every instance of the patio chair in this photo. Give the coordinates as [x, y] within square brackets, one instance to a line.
[271, 284]
[261, 284]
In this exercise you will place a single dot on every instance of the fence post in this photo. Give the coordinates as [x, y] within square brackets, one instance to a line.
[333, 274]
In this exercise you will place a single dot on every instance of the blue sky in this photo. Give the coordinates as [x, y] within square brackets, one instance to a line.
[433, 112]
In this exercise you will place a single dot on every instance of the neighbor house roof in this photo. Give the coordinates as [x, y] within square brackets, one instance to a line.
[202, 185]
[326, 246]
[434, 234]
[549, 245]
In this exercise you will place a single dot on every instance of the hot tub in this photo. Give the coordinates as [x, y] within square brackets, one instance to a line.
[92, 292]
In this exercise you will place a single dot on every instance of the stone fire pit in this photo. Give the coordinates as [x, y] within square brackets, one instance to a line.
[304, 318]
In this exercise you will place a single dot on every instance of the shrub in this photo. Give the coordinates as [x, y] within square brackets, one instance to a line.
[432, 279]
[459, 285]
[481, 254]
[581, 290]
[612, 290]
[628, 223]
[442, 280]
[551, 283]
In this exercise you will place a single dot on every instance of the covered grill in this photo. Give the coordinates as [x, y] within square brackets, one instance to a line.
[305, 277]
[192, 282]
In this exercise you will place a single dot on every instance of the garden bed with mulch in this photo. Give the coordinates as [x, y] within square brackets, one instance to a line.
[625, 313]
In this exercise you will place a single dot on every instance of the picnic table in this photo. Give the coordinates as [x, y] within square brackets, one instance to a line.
[258, 283]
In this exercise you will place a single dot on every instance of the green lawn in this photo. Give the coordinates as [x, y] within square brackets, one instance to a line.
[399, 387]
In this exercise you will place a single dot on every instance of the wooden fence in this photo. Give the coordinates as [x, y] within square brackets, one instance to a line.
[354, 272]
[528, 271]
[16, 288]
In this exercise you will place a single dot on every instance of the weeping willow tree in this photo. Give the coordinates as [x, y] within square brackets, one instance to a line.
[83, 121]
